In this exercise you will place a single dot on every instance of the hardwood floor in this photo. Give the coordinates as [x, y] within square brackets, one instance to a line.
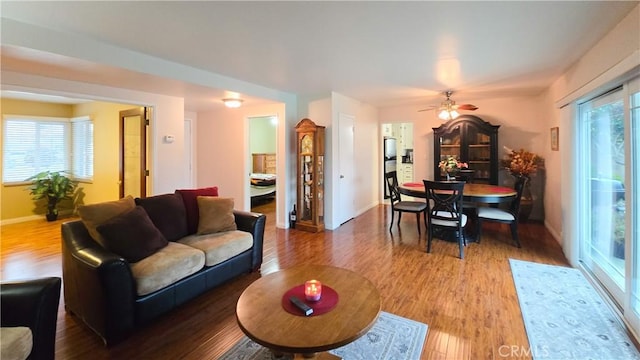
[470, 305]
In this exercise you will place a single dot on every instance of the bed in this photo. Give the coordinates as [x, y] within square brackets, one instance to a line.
[263, 186]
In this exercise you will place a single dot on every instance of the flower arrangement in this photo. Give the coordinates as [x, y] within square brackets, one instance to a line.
[452, 164]
[521, 162]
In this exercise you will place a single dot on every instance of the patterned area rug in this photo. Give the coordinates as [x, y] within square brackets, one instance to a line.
[564, 316]
[391, 337]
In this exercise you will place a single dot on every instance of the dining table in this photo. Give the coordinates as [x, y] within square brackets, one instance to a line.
[472, 193]
[476, 193]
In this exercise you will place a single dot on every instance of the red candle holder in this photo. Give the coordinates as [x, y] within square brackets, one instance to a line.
[312, 290]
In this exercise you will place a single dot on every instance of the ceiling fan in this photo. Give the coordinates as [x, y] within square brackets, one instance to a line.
[448, 109]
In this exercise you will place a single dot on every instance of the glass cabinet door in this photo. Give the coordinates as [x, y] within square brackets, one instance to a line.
[479, 156]
[320, 188]
[306, 177]
[450, 146]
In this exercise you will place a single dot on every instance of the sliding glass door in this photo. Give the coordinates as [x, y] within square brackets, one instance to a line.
[633, 314]
[608, 186]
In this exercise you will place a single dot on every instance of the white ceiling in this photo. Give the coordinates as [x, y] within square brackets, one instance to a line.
[381, 53]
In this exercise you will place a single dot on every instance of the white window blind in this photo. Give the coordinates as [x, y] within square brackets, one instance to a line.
[33, 145]
[82, 148]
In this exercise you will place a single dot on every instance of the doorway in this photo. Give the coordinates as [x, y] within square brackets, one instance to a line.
[346, 209]
[397, 153]
[262, 172]
[133, 173]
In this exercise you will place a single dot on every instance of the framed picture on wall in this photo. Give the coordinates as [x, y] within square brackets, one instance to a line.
[555, 146]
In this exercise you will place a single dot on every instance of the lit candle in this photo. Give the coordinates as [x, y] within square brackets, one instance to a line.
[312, 290]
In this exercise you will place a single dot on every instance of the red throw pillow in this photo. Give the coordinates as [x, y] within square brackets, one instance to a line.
[190, 199]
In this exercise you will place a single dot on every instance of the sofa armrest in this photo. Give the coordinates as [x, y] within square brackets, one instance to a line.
[253, 223]
[34, 304]
[98, 284]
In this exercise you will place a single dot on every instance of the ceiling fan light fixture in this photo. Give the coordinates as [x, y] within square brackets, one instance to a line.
[448, 114]
[232, 103]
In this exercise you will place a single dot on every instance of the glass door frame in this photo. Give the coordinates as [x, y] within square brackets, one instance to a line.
[621, 297]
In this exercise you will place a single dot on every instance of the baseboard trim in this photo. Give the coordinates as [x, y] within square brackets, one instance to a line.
[64, 213]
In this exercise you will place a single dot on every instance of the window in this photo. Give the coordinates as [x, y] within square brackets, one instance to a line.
[35, 144]
[82, 148]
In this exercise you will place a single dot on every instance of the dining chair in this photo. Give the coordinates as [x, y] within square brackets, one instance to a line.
[508, 216]
[444, 210]
[400, 206]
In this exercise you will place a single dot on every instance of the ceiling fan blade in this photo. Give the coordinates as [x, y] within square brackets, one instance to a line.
[428, 108]
[467, 107]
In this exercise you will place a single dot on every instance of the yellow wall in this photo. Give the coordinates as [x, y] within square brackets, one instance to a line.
[16, 201]
[106, 144]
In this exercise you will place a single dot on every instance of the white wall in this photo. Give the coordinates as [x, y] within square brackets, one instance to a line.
[613, 58]
[368, 164]
[167, 167]
[523, 124]
[223, 157]
[325, 111]
[365, 154]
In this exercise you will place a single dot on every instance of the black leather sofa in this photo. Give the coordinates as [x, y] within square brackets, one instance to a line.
[34, 304]
[99, 288]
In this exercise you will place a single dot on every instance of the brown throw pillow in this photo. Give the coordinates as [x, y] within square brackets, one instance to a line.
[216, 215]
[132, 235]
[189, 197]
[167, 213]
[96, 214]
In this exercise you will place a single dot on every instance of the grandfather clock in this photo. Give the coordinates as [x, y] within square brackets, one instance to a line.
[310, 176]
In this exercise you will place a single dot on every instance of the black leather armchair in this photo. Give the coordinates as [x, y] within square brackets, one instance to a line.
[34, 304]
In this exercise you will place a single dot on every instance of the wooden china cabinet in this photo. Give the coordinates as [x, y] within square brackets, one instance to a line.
[469, 139]
[310, 176]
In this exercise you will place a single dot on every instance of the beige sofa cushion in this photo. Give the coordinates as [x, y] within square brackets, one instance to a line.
[221, 246]
[168, 265]
[15, 343]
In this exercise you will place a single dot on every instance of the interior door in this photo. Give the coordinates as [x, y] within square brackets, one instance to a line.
[346, 185]
[133, 152]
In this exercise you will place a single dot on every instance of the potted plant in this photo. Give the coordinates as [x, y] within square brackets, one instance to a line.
[53, 186]
[522, 164]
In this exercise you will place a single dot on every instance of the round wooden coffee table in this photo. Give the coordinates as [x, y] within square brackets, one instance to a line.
[262, 318]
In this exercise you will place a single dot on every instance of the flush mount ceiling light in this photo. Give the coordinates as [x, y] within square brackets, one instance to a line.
[232, 103]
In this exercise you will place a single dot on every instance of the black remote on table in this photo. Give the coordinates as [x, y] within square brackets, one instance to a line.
[306, 310]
